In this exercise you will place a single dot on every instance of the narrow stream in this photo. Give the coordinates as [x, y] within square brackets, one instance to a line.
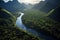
[23, 27]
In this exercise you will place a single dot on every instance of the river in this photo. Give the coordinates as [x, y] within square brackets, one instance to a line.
[23, 27]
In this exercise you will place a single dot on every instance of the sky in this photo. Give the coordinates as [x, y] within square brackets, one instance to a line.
[26, 1]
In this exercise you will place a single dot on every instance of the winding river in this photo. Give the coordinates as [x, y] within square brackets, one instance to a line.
[23, 27]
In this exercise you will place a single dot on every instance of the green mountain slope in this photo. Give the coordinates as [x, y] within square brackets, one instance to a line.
[8, 29]
[40, 21]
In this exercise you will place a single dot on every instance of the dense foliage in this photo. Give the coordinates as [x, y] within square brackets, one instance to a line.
[40, 21]
[8, 29]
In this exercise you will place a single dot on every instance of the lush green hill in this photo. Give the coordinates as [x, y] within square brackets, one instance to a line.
[8, 29]
[40, 21]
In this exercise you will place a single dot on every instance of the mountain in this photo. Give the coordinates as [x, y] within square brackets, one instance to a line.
[47, 5]
[8, 29]
[12, 6]
[45, 23]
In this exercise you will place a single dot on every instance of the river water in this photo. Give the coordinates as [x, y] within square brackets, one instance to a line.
[23, 27]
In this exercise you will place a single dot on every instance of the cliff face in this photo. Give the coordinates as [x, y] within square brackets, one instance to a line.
[8, 29]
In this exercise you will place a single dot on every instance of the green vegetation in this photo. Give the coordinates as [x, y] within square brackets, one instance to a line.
[39, 20]
[8, 29]
[50, 12]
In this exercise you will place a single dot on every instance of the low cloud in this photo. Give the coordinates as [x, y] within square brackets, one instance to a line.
[7, 1]
[29, 1]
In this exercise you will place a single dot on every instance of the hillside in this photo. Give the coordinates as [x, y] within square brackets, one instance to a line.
[8, 29]
[40, 22]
